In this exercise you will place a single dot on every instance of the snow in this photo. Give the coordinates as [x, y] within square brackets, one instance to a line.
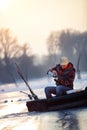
[15, 116]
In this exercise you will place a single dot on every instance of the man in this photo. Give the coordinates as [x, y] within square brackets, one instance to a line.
[64, 74]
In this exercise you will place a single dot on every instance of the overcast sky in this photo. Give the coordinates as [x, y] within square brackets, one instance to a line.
[33, 20]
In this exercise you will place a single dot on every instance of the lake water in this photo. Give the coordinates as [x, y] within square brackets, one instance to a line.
[15, 116]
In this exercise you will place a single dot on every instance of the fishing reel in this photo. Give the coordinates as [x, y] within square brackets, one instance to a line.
[54, 75]
[29, 95]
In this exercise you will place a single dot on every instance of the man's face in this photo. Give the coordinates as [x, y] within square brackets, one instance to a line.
[64, 66]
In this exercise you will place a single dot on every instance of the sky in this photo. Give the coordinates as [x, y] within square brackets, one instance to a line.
[32, 21]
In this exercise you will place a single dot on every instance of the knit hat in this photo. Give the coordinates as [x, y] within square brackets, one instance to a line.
[64, 61]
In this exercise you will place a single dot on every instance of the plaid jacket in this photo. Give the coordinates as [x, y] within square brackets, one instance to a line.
[65, 76]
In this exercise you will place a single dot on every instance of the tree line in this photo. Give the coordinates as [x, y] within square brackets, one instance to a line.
[70, 43]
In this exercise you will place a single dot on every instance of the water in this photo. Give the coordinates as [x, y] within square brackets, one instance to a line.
[15, 116]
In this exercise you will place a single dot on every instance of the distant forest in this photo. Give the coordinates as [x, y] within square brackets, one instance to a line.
[70, 43]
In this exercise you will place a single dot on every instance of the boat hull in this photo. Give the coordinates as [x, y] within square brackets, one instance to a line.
[77, 99]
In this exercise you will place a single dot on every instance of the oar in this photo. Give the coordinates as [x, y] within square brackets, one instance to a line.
[23, 78]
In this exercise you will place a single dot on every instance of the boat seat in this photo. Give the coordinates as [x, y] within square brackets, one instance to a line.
[73, 91]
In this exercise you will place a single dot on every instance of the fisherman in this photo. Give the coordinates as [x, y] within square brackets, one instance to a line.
[64, 74]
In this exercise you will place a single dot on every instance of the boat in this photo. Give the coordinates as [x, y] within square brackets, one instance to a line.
[67, 101]
[72, 98]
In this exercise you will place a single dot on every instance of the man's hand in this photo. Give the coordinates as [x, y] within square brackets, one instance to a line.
[54, 73]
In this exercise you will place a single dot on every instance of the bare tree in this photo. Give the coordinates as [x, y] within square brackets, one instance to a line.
[53, 46]
[8, 44]
[26, 49]
[26, 58]
[78, 66]
[9, 48]
[52, 43]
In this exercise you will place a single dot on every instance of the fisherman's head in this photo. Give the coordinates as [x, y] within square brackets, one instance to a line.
[64, 61]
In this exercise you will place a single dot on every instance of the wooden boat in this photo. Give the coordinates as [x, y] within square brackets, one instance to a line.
[76, 99]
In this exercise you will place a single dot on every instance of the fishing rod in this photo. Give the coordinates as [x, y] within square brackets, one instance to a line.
[23, 78]
[30, 96]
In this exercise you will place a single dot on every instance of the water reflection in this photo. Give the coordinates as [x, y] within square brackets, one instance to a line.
[15, 116]
[68, 120]
[58, 120]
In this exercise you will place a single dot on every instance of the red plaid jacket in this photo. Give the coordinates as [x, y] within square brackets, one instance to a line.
[65, 76]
